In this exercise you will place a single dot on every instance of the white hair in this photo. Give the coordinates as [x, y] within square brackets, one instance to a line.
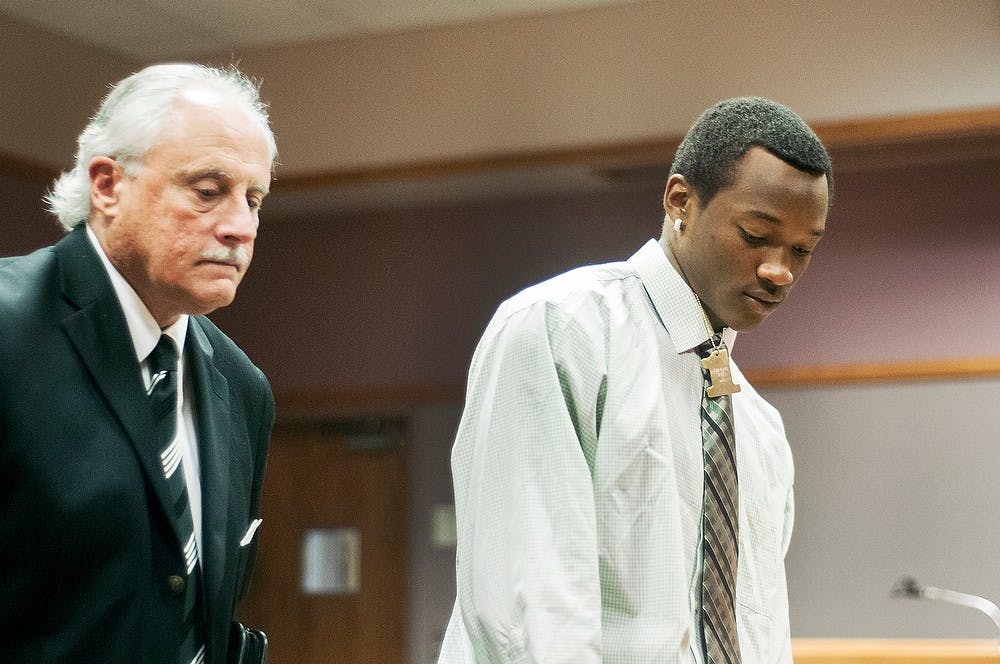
[131, 118]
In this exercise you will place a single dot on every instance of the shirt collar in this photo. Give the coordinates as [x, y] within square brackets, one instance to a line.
[142, 327]
[675, 303]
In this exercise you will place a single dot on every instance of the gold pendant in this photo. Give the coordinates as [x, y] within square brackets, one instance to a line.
[720, 376]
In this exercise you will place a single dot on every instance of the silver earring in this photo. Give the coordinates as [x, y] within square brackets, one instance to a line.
[678, 224]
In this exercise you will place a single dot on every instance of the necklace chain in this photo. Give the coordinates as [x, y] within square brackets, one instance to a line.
[708, 326]
[701, 307]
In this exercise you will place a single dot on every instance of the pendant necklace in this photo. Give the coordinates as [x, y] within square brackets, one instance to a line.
[717, 363]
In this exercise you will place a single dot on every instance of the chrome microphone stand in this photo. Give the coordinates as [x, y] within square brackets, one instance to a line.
[907, 587]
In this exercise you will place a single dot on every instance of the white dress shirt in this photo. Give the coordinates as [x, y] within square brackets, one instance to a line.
[145, 333]
[579, 480]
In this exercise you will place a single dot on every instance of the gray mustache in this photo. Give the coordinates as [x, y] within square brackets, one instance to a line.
[237, 255]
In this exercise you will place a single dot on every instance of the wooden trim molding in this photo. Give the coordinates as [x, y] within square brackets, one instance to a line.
[844, 139]
[621, 153]
[895, 651]
[876, 372]
[292, 405]
[907, 128]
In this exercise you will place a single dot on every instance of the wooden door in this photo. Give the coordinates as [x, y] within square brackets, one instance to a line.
[339, 475]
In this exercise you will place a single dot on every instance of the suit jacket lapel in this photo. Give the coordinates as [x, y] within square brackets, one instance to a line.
[98, 331]
[211, 399]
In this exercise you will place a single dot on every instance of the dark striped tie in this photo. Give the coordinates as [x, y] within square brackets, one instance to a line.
[720, 524]
[163, 399]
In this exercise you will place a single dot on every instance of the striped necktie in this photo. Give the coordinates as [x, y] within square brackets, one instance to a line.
[720, 524]
[162, 394]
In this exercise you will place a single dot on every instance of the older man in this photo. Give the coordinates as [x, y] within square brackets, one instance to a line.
[133, 433]
[623, 494]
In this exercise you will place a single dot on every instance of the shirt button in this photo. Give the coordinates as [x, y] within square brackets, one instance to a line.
[685, 639]
[176, 584]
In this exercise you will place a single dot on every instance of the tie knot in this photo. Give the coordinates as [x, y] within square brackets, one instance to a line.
[164, 356]
[713, 343]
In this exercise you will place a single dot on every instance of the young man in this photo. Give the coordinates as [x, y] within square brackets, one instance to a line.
[622, 493]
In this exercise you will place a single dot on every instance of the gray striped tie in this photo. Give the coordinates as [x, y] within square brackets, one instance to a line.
[720, 525]
[163, 400]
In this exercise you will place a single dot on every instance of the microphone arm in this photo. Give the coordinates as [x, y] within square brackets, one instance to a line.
[907, 587]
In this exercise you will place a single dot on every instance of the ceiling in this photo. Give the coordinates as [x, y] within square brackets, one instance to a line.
[148, 30]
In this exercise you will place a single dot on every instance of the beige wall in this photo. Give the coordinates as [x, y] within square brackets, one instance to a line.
[534, 84]
[613, 74]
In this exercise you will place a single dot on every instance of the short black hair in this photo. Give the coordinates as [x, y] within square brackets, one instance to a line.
[719, 138]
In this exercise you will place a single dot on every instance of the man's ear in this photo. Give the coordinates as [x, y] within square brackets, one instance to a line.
[676, 196]
[105, 177]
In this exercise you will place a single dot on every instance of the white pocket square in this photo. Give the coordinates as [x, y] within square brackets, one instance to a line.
[251, 531]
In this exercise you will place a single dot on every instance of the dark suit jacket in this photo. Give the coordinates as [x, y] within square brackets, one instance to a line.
[86, 544]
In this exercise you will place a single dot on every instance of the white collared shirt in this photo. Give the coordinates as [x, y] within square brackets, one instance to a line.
[145, 333]
[579, 480]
